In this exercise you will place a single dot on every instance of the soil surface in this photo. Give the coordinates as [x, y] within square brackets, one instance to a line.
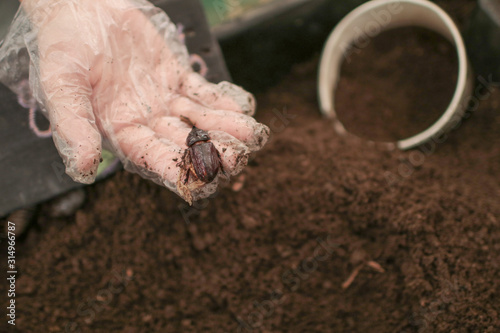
[407, 102]
[421, 228]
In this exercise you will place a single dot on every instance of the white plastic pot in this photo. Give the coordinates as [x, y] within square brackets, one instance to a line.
[367, 21]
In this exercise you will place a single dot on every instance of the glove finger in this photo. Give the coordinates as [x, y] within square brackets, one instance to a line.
[62, 86]
[233, 152]
[79, 145]
[154, 158]
[222, 96]
[245, 128]
[172, 128]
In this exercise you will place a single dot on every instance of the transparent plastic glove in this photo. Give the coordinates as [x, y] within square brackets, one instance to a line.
[114, 72]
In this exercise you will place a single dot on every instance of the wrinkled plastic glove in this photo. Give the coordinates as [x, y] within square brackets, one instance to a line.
[114, 73]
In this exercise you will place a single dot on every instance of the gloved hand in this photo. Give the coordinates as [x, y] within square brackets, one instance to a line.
[114, 72]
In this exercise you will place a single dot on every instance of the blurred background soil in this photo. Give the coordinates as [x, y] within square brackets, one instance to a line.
[313, 208]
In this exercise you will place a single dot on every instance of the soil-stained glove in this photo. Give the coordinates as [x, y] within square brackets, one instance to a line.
[114, 72]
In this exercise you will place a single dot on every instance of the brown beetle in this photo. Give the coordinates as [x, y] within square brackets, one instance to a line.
[200, 163]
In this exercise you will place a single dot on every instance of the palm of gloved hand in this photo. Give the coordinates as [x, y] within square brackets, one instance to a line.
[109, 72]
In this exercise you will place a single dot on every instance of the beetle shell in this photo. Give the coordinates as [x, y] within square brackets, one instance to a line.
[200, 163]
[196, 135]
[205, 160]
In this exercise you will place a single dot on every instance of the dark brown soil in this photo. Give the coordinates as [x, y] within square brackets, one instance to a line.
[273, 257]
[408, 103]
